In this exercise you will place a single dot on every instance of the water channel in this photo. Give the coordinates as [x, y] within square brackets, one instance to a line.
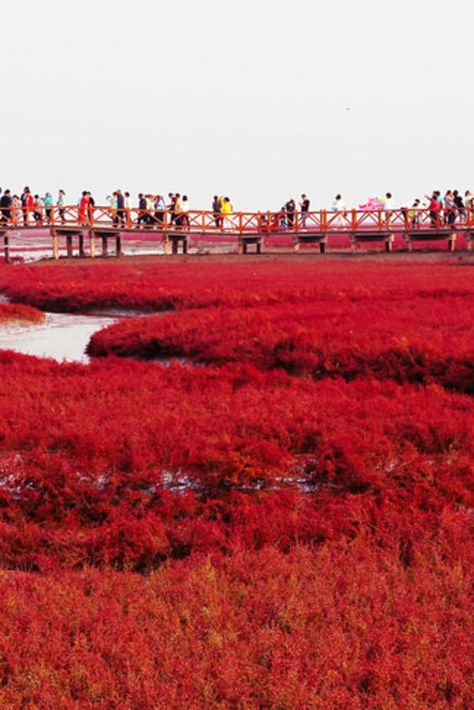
[62, 336]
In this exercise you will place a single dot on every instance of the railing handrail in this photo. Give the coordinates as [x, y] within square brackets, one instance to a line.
[157, 219]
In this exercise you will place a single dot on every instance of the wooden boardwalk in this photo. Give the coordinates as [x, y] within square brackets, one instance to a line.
[101, 232]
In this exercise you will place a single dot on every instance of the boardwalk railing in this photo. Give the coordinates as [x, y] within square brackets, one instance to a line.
[208, 222]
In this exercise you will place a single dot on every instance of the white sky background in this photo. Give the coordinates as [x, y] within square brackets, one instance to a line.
[245, 98]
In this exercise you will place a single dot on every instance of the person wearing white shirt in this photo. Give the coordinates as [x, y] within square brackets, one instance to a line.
[339, 207]
[388, 207]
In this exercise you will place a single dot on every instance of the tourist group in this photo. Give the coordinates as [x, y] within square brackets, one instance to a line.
[152, 210]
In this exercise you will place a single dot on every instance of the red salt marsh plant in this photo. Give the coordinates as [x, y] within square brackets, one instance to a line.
[423, 338]
[346, 625]
[236, 536]
[12, 313]
[157, 285]
[127, 464]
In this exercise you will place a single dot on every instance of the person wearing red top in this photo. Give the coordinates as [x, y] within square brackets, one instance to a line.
[434, 208]
[84, 207]
[28, 204]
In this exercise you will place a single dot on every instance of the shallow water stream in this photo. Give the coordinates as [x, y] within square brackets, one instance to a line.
[61, 336]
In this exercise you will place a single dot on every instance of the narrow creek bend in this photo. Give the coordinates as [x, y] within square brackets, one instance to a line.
[62, 336]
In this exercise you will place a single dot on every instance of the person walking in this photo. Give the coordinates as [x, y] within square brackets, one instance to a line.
[90, 208]
[304, 207]
[388, 208]
[172, 198]
[38, 210]
[216, 208]
[16, 210]
[227, 210]
[48, 206]
[449, 208]
[185, 216]
[83, 208]
[290, 209]
[120, 214]
[142, 217]
[339, 207]
[6, 207]
[459, 206]
[60, 204]
[282, 218]
[149, 205]
[128, 208]
[434, 208]
[178, 210]
[28, 203]
[160, 209]
[414, 213]
[112, 202]
[469, 206]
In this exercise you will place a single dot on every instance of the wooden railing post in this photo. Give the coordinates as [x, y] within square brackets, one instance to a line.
[354, 220]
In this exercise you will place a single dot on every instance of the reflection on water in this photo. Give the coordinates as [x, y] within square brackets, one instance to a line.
[61, 337]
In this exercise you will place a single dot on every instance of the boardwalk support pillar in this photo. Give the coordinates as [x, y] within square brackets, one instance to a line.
[69, 250]
[6, 247]
[92, 242]
[246, 240]
[105, 245]
[118, 245]
[175, 240]
[82, 253]
[54, 235]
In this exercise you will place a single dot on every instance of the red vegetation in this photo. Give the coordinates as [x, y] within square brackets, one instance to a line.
[340, 626]
[128, 464]
[416, 338]
[157, 285]
[16, 313]
[289, 525]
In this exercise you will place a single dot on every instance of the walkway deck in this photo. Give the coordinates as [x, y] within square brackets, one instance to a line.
[106, 228]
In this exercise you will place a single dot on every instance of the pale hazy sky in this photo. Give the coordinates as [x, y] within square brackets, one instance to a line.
[246, 98]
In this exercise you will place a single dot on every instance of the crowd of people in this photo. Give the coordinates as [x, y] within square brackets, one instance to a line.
[452, 208]
[152, 210]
